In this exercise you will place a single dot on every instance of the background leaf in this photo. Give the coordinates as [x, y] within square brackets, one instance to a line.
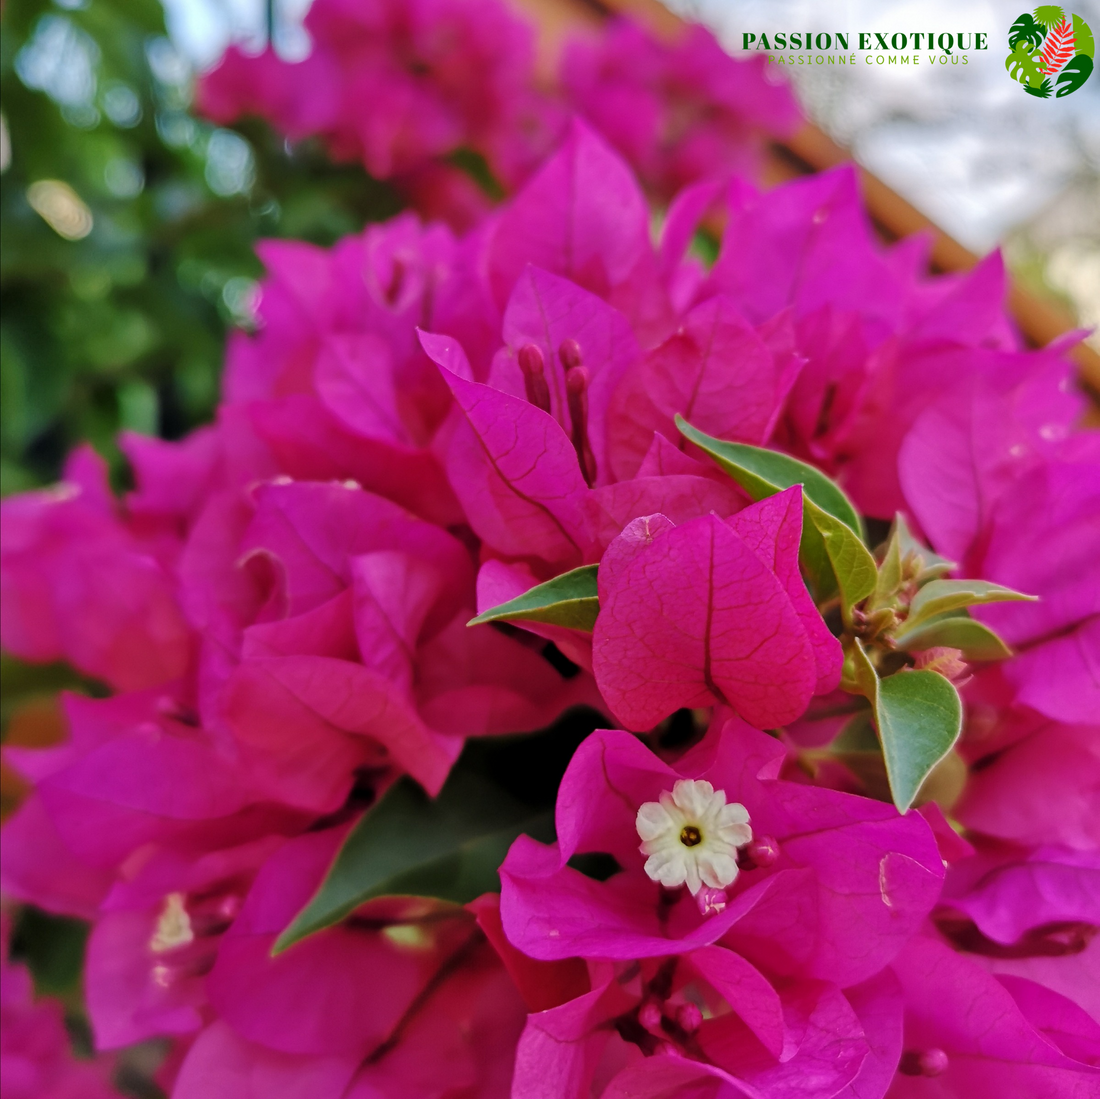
[568, 600]
[409, 844]
[918, 716]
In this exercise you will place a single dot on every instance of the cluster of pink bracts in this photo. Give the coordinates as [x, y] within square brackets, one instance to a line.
[426, 425]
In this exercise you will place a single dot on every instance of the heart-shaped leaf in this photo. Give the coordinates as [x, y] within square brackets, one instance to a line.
[918, 715]
[957, 631]
[568, 600]
[410, 844]
[943, 596]
[762, 473]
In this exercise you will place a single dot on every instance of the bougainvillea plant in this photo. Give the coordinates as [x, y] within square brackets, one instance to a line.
[568, 668]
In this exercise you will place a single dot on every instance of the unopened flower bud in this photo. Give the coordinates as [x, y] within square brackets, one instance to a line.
[533, 365]
[569, 352]
[689, 1017]
[760, 853]
[649, 1015]
[923, 1062]
[711, 901]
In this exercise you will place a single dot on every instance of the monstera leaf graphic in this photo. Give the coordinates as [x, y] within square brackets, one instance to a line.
[1042, 91]
[1074, 75]
[1058, 47]
[1025, 29]
[1049, 15]
[1023, 65]
[1082, 35]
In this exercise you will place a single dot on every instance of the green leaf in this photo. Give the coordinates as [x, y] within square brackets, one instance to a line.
[942, 596]
[1040, 92]
[408, 844]
[957, 630]
[1075, 73]
[1025, 29]
[889, 574]
[568, 600]
[918, 716]
[1049, 15]
[1023, 65]
[1083, 39]
[859, 675]
[763, 473]
[852, 564]
[932, 564]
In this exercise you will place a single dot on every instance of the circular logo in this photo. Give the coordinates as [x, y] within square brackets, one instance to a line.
[1052, 52]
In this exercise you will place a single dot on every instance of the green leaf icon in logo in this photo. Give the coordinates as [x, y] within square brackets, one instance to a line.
[1082, 37]
[1025, 29]
[1042, 91]
[1074, 75]
[1023, 65]
[1049, 15]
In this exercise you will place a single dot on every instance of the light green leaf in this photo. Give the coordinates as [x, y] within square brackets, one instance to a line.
[1049, 15]
[568, 600]
[409, 844]
[942, 596]
[932, 564]
[889, 574]
[763, 473]
[957, 630]
[1083, 40]
[851, 561]
[859, 675]
[1023, 65]
[919, 717]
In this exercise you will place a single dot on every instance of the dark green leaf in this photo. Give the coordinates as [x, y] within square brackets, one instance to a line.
[409, 844]
[1025, 29]
[1040, 91]
[943, 596]
[957, 630]
[763, 473]
[1075, 73]
[919, 716]
[568, 600]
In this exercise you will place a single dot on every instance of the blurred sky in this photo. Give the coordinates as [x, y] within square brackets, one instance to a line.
[987, 162]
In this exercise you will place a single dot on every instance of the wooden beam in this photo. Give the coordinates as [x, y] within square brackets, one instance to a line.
[1039, 319]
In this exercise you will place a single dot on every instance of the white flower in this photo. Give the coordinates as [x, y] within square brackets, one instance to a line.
[691, 836]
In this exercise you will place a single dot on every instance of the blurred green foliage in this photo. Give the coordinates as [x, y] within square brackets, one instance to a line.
[124, 327]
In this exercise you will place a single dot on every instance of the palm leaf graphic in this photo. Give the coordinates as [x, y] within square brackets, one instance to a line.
[1082, 35]
[1042, 91]
[1049, 15]
[1025, 29]
[1074, 75]
[1058, 47]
